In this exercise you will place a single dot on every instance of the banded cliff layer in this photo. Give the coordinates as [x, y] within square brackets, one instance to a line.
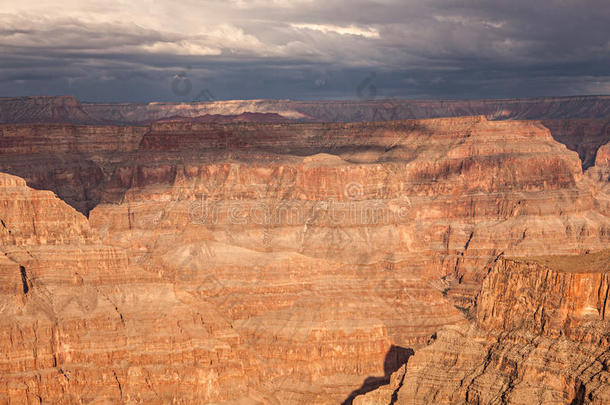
[80, 324]
[581, 123]
[267, 262]
[69, 109]
[541, 334]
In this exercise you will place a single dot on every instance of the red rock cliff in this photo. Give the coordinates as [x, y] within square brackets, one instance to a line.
[541, 335]
[78, 323]
[235, 255]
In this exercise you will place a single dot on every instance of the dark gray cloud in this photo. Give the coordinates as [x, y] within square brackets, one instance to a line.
[305, 49]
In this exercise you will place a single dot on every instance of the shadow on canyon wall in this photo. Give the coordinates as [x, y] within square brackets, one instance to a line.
[87, 178]
[394, 359]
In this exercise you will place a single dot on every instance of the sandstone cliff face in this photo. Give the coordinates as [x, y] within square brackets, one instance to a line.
[48, 139]
[581, 123]
[250, 202]
[79, 324]
[541, 334]
[474, 188]
[82, 323]
[573, 297]
[75, 160]
[602, 164]
[288, 257]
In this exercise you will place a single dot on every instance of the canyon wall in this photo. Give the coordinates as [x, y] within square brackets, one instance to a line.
[282, 262]
[29, 110]
[540, 334]
[584, 136]
[74, 161]
[79, 323]
[69, 109]
[581, 123]
[367, 110]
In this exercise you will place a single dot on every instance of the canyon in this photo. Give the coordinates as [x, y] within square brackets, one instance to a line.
[305, 252]
[581, 123]
[540, 334]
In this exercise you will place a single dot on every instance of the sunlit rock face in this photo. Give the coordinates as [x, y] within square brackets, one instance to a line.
[441, 197]
[540, 334]
[79, 323]
[580, 123]
[271, 261]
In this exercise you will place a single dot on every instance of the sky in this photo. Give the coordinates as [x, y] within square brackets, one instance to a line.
[163, 50]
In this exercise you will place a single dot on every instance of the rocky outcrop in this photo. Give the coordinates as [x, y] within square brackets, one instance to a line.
[290, 257]
[541, 334]
[601, 171]
[78, 323]
[602, 160]
[575, 294]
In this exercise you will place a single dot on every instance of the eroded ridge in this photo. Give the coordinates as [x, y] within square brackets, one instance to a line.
[540, 334]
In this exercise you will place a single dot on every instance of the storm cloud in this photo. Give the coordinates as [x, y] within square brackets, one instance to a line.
[304, 49]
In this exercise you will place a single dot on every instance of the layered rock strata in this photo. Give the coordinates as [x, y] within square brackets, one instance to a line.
[71, 160]
[78, 323]
[541, 334]
[584, 136]
[276, 204]
[581, 123]
[304, 251]
[69, 109]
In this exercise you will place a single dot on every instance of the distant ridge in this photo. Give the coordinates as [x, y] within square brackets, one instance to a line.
[44, 109]
[67, 109]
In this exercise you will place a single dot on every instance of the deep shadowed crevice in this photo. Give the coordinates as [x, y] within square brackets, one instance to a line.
[394, 359]
[78, 183]
[24, 280]
[582, 136]
[579, 398]
[394, 397]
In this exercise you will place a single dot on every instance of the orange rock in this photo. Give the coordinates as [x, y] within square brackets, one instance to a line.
[78, 323]
[541, 335]
[277, 262]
